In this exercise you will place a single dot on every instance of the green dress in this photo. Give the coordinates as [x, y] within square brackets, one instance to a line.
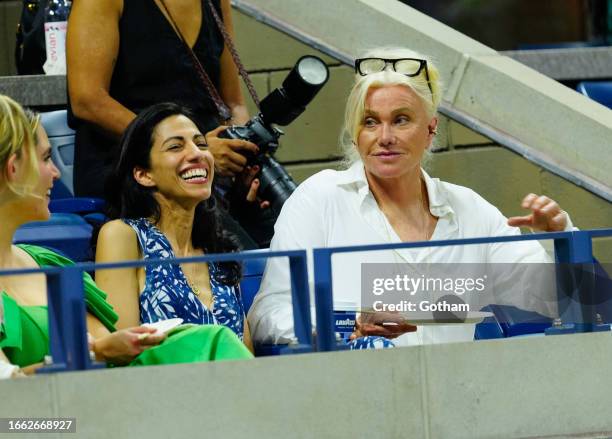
[24, 334]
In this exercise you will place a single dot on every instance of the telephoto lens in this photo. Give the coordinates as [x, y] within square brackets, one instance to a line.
[281, 107]
[286, 103]
[275, 183]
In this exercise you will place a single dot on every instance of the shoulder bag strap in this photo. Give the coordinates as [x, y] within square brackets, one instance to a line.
[222, 109]
[234, 53]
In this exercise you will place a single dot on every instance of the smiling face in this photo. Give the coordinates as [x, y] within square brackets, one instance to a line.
[395, 132]
[181, 167]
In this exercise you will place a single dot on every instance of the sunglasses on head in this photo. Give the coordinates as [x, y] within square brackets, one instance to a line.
[405, 66]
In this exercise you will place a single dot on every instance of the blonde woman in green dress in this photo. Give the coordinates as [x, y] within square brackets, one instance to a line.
[25, 185]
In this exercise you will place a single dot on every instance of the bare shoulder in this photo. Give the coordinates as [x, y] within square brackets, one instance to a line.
[117, 229]
[117, 240]
[95, 15]
[23, 258]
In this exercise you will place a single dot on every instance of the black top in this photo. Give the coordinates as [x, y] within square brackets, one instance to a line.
[152, 66]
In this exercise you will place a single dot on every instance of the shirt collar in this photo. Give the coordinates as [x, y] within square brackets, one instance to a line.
[438, 197]
[355, 176]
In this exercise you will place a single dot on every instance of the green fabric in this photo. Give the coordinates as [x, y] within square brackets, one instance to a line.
[24, 334]
[25, 338]
[195, 343]
[95, 298]
[10, 325]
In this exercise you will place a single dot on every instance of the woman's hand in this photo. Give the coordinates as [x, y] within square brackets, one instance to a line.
[229, 154]
[249, 181]
[244, 199]
[121, 347]
[382, 324]
[546, 215]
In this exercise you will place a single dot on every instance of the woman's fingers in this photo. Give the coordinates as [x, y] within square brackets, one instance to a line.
[153, 339]
[540, 202]
[146, 336]
[528, 201]
[382, 330]
[550, 209]
[252, 194]
[216, 131]
[227, 161]
[249, 174]
[382, 324]
[546, 216]
[520, 221]
[559, 221]
[142, 329]
[253, 184]
[230, 154]
[376, 330]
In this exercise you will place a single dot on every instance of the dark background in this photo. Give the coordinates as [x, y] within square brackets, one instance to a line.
[509, 24]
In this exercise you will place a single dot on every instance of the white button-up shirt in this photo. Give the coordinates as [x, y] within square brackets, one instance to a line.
[337, 208]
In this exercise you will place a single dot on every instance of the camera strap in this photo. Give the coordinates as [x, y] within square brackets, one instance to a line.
[224, 112]
[234, 53]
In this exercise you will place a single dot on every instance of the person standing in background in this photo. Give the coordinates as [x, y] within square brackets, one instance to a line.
[124, 56]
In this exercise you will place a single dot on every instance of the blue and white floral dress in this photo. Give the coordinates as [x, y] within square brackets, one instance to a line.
[371, 342]
[167, 293]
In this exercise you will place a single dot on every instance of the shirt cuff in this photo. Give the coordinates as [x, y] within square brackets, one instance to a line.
[569, 227]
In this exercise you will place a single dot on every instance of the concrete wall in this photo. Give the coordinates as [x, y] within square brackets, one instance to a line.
[521, 104]
[524, 388]
[464, 157]
[10, 12]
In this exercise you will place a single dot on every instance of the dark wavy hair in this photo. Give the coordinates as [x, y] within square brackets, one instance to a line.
[128, 199]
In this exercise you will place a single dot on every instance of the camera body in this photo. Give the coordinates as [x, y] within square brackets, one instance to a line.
[257, 132]
[276, 185]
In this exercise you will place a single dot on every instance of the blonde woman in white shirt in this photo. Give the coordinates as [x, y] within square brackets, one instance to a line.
[385, 196]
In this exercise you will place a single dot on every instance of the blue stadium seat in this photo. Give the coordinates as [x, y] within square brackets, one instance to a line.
[600, 91]
[68, 233]
[252, 272]
[507, 321]
[61, 137]
[510, 321]
[489, 328]
[66, 230]
[603, 291]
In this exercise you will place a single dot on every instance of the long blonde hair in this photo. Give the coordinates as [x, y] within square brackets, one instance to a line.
[18, 136]
[355, 105]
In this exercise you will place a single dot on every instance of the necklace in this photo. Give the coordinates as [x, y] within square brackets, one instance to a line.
[424, 226]
[424, 220]
[418, 267]
[190, 274]
[194, 288]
